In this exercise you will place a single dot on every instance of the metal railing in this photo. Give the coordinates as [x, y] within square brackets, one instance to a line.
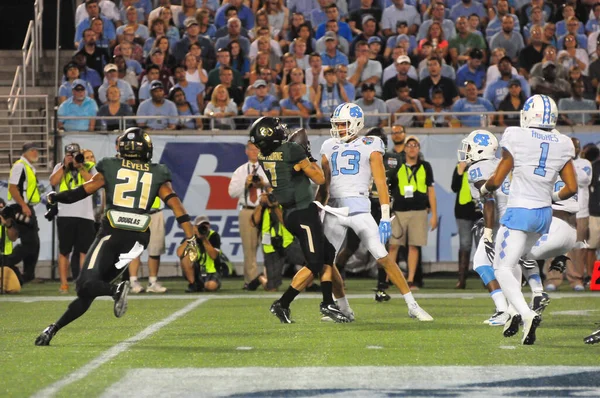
[31, 52]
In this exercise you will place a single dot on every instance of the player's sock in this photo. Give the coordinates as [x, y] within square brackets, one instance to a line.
[77, 308]
[381, 279]
[343, 304]
[152, 280]
[534, 280]
[408, 297]
[289, 296]
[133, 279]
[511, 288]
[499, 300]
[327, 289]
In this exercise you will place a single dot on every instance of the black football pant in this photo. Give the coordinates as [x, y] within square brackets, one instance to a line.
[28, 250]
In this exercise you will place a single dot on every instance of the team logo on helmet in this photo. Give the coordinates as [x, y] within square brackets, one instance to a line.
[265, 131]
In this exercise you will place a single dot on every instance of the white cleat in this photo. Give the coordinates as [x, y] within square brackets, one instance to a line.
[349, 313]
[156, 287]
[136, 287]
[498, 319]
[530, 324]
[414, 311]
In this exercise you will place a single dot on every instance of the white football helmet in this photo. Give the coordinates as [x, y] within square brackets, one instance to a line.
[539, 111]
[353, 119]
[480, 144]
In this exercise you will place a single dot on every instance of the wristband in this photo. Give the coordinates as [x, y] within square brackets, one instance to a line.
[385, 212]
[488, 234]
[183, 218]
[483, 190]
[555, 197]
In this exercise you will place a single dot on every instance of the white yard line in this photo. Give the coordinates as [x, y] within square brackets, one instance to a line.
[84, 371]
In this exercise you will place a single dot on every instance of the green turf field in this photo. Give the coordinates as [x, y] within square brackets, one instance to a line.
[234, 329]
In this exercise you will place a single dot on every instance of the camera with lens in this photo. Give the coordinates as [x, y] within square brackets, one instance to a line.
[15, 213]
[277, 243]
[75, 151]
[255, 178]
[272, 199]
[78, 156]
[203, 229]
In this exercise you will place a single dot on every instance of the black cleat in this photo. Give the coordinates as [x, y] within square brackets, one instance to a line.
[381, 296]
[120, 298]
[593, 338]
[284, 314]
[333, 311]
[511, 327]
[540, 302]
[47, 335]
[254, 283]
[529, 327]
[194, 288]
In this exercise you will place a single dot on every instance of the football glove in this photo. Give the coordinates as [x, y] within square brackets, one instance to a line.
[191, 249]
[559, 264]
[50, 198]
[385, 230]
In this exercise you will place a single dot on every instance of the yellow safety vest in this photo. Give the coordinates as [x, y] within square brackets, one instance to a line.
[288, 238]
[464, 196]
[156, 204]
[208, 262]
[32, 193]
[68, 182]
[8, 245]
[417, 180]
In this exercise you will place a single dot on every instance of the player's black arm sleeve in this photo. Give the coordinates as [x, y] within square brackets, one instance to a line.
[71, 195]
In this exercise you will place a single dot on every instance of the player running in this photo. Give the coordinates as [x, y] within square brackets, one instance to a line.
[350, 164]
[131, 183]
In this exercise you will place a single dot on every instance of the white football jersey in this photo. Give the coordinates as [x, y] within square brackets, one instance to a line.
[570, 205]
[482, 171]
[350, 165]
[538, 156]
[583, 167]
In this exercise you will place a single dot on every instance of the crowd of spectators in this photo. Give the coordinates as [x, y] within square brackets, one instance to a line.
[302, 58]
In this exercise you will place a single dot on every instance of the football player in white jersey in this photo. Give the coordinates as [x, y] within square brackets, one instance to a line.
[537, 154]
[350, 164]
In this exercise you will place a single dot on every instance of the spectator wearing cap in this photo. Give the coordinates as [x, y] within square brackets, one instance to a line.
[95, 57]
[403, 103]
[328, 96]
[532, 53]
[549, 56]
[466, 8]
[243, 13]
[157, 105]
[367, 7]
[438, 14]
[332, 56]
[399, 11]
[261, 103]
[23, 190]
[402, 67]
[71, 73]
[194, 92]
[472, 103]
[332, 27]
[473, 71]
[193, 36]
[369, 30]
[77, 106]
[495, 25]
[364, 70]
[513, 102]
[234, 26]
[111, 78]
[508, 39]
[497, 90]
[296, 105]
[152, 73]
[375, 49]
[464, 41]
[93, 11]
[86, 73]
[114, 107]
[373, 107]
[334, 15]
[435, 80]
[577, 103]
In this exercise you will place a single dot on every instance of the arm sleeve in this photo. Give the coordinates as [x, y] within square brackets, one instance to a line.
[429, 171]
[456, 180]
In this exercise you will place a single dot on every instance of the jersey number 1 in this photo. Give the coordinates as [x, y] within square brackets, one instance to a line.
[541, 169]
[132, 177]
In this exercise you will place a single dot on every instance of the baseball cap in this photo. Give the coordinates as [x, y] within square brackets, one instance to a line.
[412, 138]
[201, 220]
[28, 146]
[69, 66]
[78, 83]
[156, 84]
[476, 53]
[110, 67]
[330, 36]
[368, 86]
[374, 39]
[73, 147]
[368, 17]
[548, 63]
[189, 21]
[401, 23]
[403, 58]
[402, 37]
[514, 82]
[259, 83]
[505, 58]
[156, 51]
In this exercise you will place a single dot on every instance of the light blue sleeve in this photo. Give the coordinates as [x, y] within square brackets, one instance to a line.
[172, 112]
[128, 92]
[102, 93]
[488, 105]
[109, 29]
[142, 111]
[458, 106]
[63, 91]
[488, 93]
[247, 104]
[79, 31]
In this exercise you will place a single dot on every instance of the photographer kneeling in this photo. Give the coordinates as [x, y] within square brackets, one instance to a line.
[11, 281]
[202, 274]
[277, 242]
[75, 223]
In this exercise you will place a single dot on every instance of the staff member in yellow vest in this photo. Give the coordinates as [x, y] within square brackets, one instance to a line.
[23, 190]
[414, 196]
[75, 222]
[156, 248]
[466, 213]
[8, 234]
[278, 243]
[202, 275]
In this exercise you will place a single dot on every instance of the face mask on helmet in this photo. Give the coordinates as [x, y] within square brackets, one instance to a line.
[346, 122]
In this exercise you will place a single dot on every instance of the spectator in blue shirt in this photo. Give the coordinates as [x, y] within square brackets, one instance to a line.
[296, 105]
[157, 106]
[78, 105]
[194, 92]
[333, 14]
[332, 56]
[592, 24]
[472, 103]
[319, 15]
[93, 11]
[473, 71]
[496, 91]
[573, 29]
[261, 103]
[184, 108]
[111, 73]
[341, 72]
[85, 72]
[466, 8]
[243, 13]
[495, 25]
[71, 72]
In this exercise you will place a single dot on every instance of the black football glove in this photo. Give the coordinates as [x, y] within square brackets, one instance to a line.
[559, 264]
